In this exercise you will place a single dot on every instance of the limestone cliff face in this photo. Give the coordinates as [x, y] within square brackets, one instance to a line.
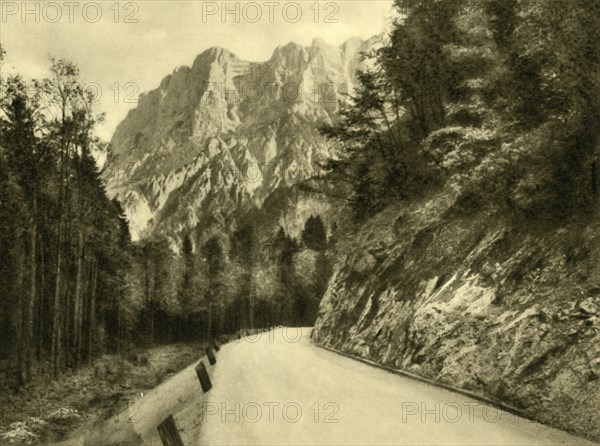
[511, 313]
[220, 136]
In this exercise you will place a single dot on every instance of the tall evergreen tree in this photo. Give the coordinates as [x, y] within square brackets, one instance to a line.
[314, 235]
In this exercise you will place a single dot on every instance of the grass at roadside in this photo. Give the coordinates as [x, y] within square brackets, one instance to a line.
[47, 411]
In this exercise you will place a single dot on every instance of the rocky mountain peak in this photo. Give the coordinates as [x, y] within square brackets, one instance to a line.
[215, 54]
[223, 134]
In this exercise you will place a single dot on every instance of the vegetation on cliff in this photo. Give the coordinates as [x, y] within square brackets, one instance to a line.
[497, 97]
[472, 153]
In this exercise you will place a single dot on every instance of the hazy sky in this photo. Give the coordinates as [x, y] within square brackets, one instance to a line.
[124, 48]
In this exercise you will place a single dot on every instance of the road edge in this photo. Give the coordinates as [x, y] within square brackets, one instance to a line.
[499, 405]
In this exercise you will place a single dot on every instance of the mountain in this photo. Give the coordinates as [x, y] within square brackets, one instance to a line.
[217, 138]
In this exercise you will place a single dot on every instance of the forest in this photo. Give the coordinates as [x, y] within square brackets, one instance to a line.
[499, 97]
[65, 246]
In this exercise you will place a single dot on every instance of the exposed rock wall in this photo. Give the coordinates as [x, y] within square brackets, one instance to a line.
[510, 313]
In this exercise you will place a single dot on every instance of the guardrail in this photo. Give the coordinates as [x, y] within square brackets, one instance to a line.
[167, 429]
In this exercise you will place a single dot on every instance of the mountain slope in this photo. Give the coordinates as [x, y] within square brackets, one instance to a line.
[221, 135]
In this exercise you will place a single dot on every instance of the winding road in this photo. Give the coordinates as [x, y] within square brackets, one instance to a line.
[277, 388]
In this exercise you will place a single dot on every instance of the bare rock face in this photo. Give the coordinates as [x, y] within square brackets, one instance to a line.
[220, 136]
[472, 301]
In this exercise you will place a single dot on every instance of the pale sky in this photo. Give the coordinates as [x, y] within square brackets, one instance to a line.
[125, 48]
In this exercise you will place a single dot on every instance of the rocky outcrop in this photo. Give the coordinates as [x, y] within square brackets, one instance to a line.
[473, 301]
[223, 134]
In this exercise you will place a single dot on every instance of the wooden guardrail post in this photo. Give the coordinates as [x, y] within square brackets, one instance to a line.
[203, 377]
[211, 357]
[168, 432]
[216, 345]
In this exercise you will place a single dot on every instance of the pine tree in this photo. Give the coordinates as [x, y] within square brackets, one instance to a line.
[245, 249]
[215, 257]
[187, 282]
[314, 235]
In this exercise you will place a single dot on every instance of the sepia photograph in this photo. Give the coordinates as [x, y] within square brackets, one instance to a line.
[310, 222]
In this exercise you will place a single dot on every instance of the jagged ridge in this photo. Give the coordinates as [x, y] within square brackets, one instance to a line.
[223, 134]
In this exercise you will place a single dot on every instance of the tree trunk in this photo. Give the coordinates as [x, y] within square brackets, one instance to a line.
[118, 327]
[210, 321]
[152, 325]
[251, 300]
[594, 178]
[78, 299]
[19, 324]
[67, 329]
[55, 351]
[92, 328]
[41, 300]
[147, 289]
[29, 304]
[56, 328]
[69, 297]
